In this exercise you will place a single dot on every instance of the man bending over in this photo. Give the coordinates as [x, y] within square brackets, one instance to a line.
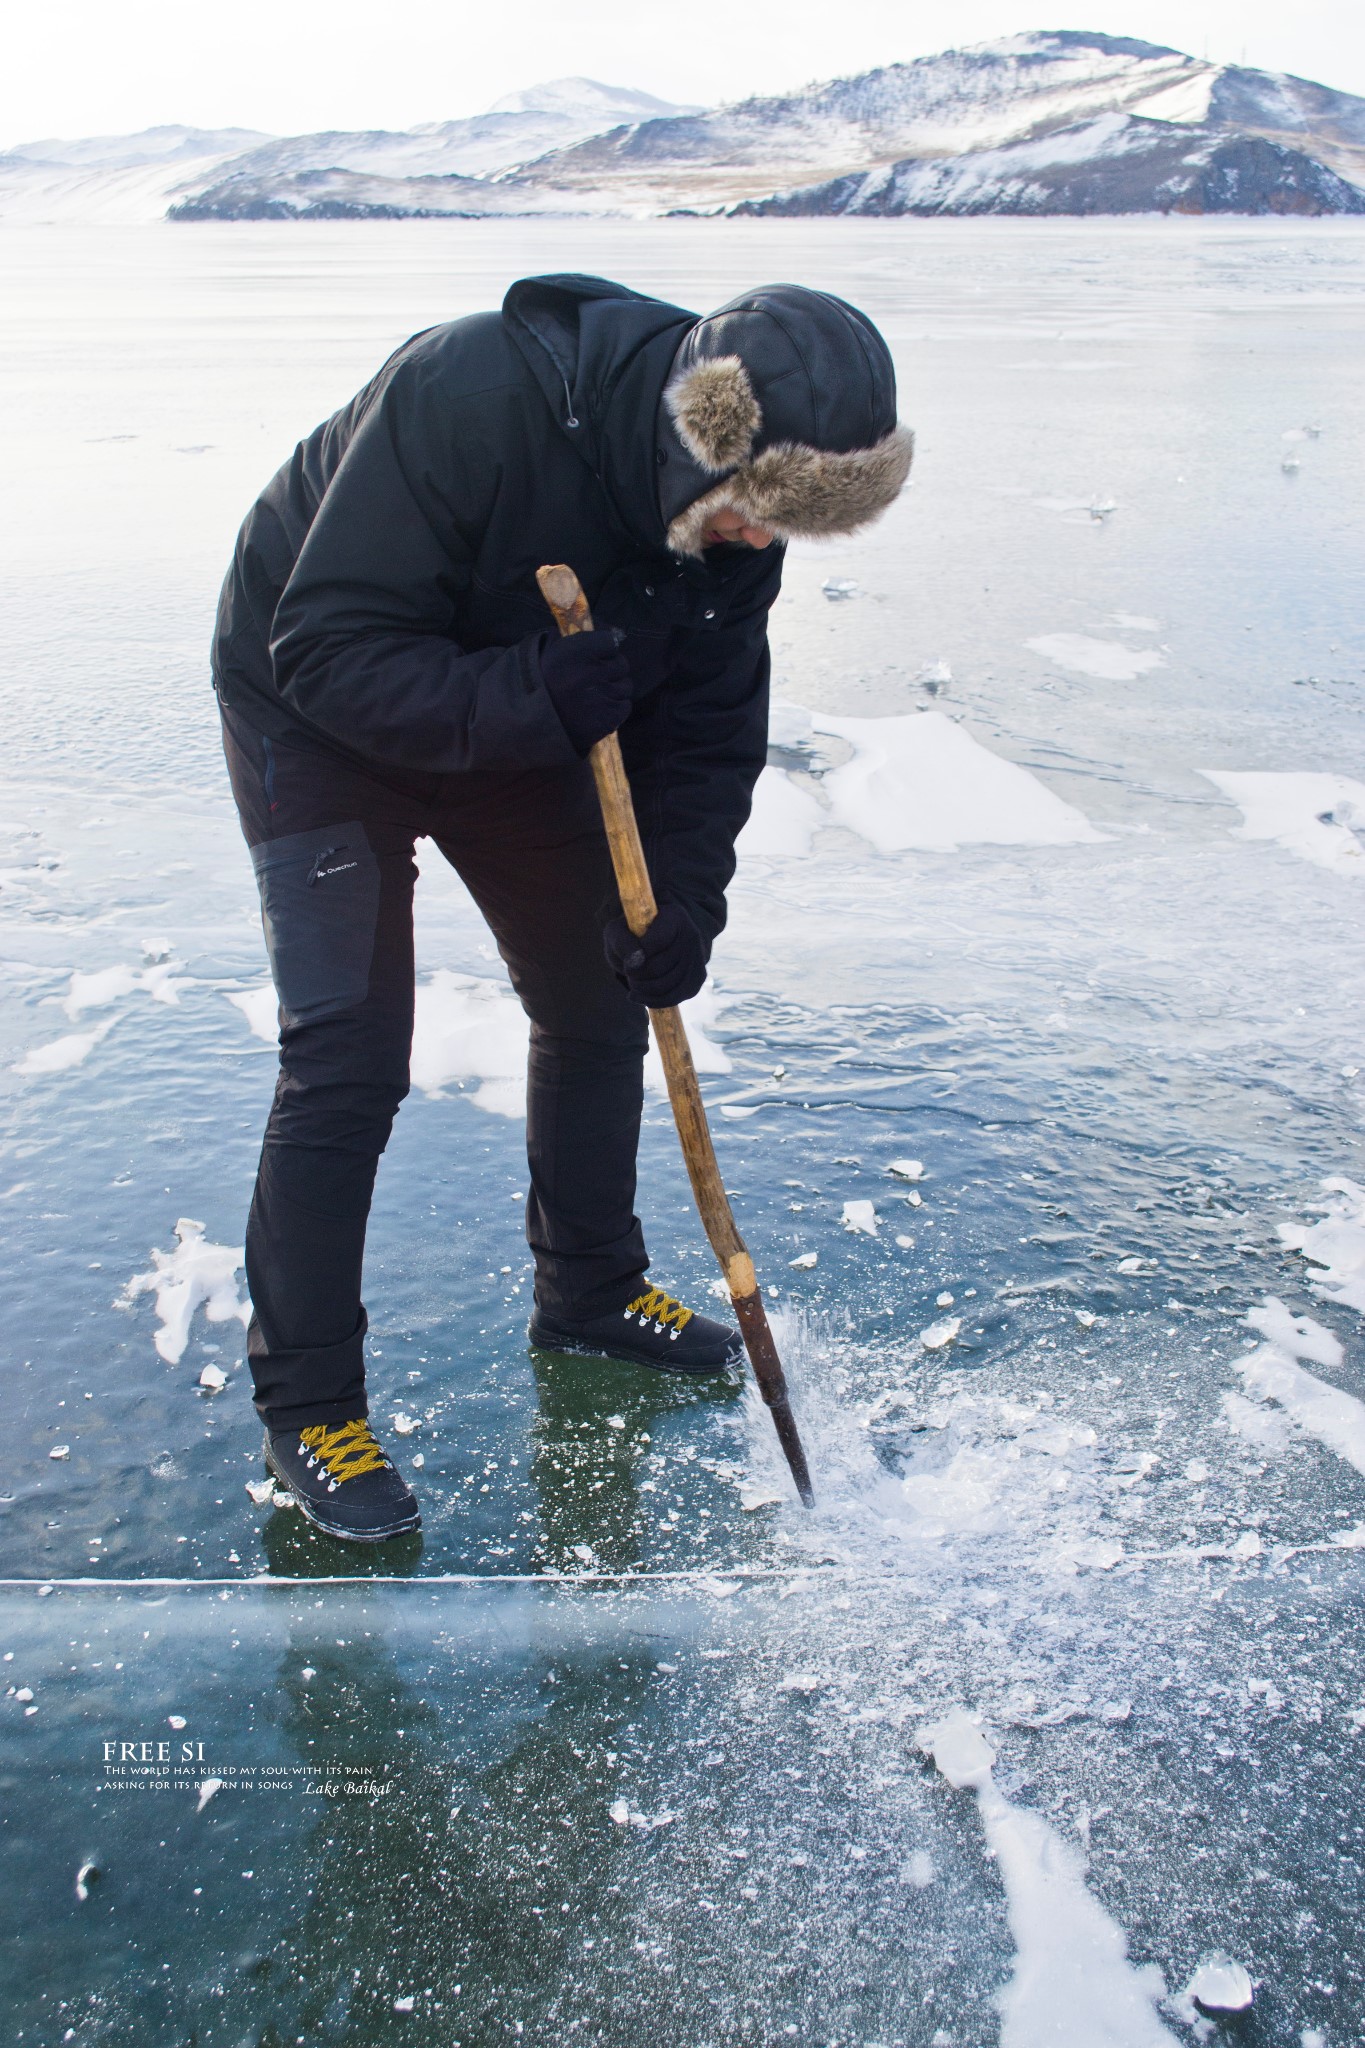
[387, 671]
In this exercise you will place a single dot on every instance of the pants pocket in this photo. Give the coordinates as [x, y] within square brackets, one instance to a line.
[320, 912]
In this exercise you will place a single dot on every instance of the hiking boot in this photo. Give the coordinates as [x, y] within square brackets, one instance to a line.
[344, 1483]
[650, 1328]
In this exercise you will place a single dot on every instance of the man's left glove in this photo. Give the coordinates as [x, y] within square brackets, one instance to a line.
[664, 967]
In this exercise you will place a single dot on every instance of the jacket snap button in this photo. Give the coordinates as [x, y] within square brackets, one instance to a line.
[649, 590]
[710, 615]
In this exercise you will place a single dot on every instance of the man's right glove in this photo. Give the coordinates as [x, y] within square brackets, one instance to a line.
[664, 967]
[589, 681]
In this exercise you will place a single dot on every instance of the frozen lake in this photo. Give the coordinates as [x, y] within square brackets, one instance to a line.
[1053, 898]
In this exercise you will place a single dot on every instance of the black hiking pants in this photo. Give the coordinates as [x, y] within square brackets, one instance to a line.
[332, 846]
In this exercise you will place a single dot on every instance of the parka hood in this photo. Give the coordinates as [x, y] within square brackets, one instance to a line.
[782, 404]
[602, 355]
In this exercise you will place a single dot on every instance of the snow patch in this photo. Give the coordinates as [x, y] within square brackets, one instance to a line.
[1109, 660]
[1336, 1245]
[922, 781]
[61, 1054]
[1319, 817]
[1071, 1959]
[470, 1029]
[261, 1008]
[783, 821]
[1272, 1372]
[196, 1274]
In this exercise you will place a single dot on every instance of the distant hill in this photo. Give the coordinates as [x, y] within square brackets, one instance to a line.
[145, 176]
[1049, 122]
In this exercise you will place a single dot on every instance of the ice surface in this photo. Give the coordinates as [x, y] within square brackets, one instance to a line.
[1336, 1245]
[196, 1274]
[923, 781]
[1316, 814]
[1122, 1051]
[1072, 1979]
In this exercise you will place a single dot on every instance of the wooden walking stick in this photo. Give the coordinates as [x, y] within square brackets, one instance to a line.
[563, 594]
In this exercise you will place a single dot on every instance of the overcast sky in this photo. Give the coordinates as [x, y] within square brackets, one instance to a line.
[88, 67]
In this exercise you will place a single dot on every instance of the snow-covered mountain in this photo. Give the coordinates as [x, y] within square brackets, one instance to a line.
[1044, 122]
[1118, 163]
[237, 172]
[1018, 90]
[113, 177]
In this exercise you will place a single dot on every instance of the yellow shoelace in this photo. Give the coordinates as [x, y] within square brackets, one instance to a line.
[664, 1310]
[345, 1451]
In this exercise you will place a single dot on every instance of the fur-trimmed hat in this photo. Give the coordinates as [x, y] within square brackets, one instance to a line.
[782, 405]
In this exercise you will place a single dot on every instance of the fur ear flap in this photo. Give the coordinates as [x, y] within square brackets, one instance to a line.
[715, 412]
[803, 493]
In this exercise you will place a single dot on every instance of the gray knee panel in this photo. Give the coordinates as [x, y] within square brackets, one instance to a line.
[320, 911]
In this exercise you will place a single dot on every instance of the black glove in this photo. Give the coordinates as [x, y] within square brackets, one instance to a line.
[664, 967]
[589, 681]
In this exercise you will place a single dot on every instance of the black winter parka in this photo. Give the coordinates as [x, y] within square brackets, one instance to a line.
[382, 594]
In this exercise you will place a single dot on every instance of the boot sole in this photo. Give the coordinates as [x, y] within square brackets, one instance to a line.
[570, 1347]
[306, 1509]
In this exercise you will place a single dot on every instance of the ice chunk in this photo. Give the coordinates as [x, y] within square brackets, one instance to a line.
[404, 1425]
[261, 1490]
[906, 1169]
[923, 781]
[1220, 1985]
[620, 1812]
[1107, 660]
[860, 1216]
[207, 1789]
[404, 2004]
[751, 1497]
[804, 1261]
[837, 587]
[195, 1274]
[800, 1681]
[944, 1300]
[937, 1335]
[959, 1749]
[213, 1378]
[89, 1874]
[60, 1451]
[175, 1721]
